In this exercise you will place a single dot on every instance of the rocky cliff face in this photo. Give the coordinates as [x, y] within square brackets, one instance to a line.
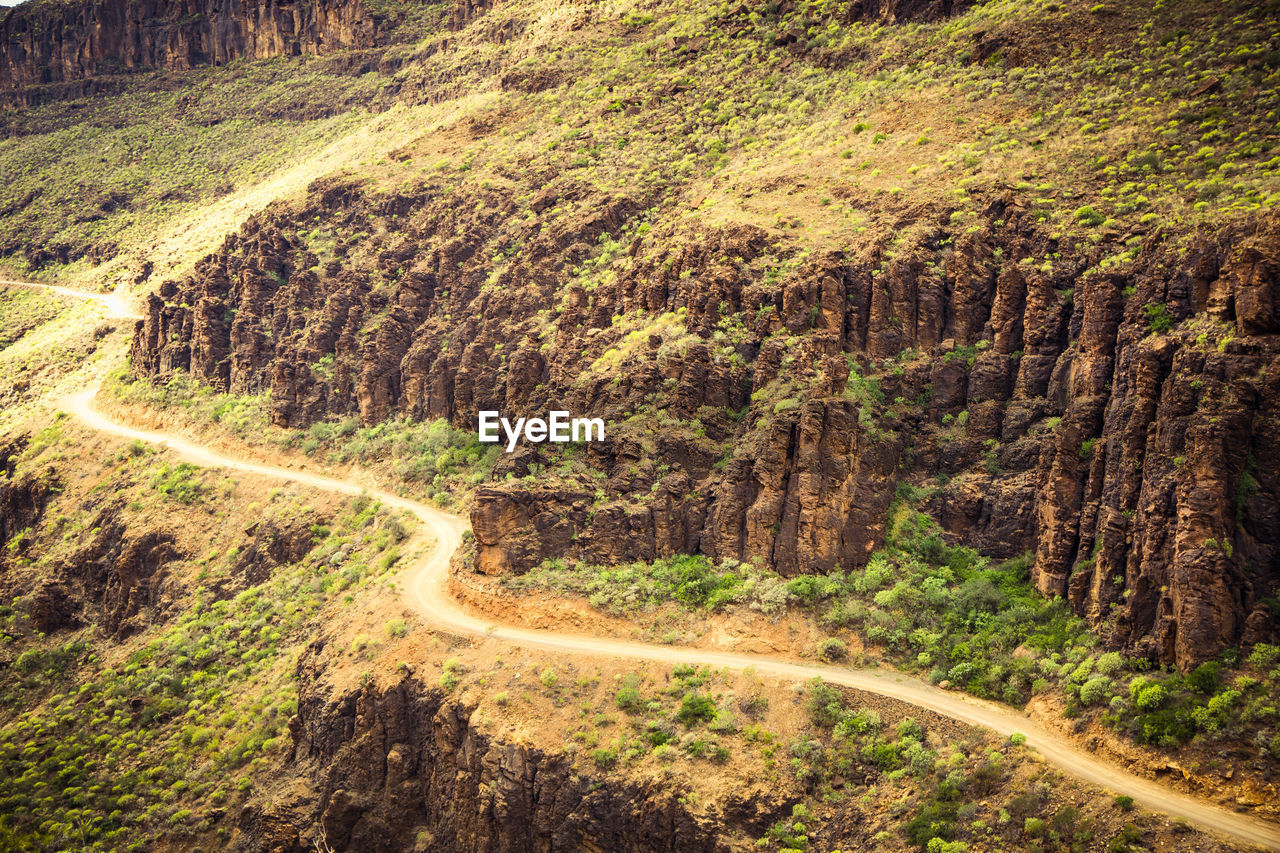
[50, 42]
[1157, 495]
[406, 768]
[52, 50]
[22, 499]
[116, 579]
[1121, 427]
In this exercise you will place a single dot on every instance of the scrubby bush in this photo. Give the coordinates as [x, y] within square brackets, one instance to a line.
[824, 704]
[179, 482]
[909, 728]
[1216, 715]
[605, 757]
[1205, 678]
[1157, 316]
[32, 660]
[754, 705]
[1086, 215]
[1264, 655]
[833, 649]
[723, 722]
[1095, 690]
[695, 708]
[1109, 663]
[1149, 696]
[628, 698]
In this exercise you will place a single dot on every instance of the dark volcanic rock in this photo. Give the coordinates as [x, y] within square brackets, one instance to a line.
[119, 573]
[275, 543]
[21, 504]
[1139, 468]
[43, 43]
[400, 766]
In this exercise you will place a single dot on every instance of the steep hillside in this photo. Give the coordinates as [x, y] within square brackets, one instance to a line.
[55, 50]
[195, 660]
[935, 333]
[1078, 357]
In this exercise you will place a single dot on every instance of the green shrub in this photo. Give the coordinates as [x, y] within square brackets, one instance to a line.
[1109, 663]
[909, 728]
[1215, 715]
[179, 482]
[695, 708]
[628, 699]
[1205, 678]
[1264, 655]
[935, 820]
[1086, 215]
[658, 732]
[1165, 726]
[605, 757]
[31, 660]
[833, 649]
[1157, 316]
[937, 845]
[1129, 839]
[1095, 690]
[723, 722]
[1150, 697]
[824, 703]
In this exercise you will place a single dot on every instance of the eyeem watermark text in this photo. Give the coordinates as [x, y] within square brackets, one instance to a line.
[557, 427]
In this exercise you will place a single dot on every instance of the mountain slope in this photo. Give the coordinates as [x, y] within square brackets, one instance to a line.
[953, 327]
[808, 324]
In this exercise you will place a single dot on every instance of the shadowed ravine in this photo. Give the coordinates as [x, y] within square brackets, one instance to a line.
[427, 592]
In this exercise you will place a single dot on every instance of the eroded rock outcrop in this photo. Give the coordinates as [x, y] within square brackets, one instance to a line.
[407, 765]
[22, 502]
[47, 42]
[1158, 494]
[1121, 427]
[120, 575]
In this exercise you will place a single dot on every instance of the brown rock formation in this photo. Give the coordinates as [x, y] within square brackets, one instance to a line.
[50, 42]
[119, 574]
[902, 11]
[274, 544]
[1170, 517]
[116, 579]
[1137, 466]
[398, 766]
[22, 503]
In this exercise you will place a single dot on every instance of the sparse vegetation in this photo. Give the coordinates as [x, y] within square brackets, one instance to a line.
[432, 459]
[645, 124]
[142, 748]
[952, 615]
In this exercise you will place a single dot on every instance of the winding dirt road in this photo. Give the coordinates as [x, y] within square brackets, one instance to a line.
[428, 593]
[116, 302]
